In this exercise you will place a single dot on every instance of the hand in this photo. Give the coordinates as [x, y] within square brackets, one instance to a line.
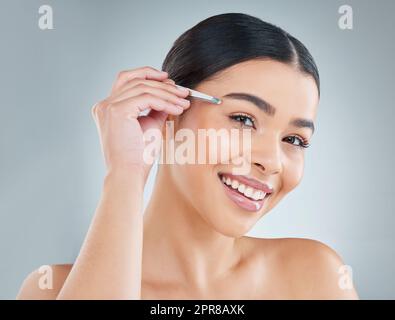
[118, 119]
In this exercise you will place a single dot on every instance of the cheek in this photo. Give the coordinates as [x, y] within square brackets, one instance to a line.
[213, 135]
[293, 172]
[193, 182]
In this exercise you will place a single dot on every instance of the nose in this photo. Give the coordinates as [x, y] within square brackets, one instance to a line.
[266, 155]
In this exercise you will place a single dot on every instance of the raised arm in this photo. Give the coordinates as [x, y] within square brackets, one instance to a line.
[109, 263]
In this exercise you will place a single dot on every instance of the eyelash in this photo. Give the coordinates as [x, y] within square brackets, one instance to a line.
[237, 117]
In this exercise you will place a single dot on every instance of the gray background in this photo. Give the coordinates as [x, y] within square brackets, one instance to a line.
[51, 167]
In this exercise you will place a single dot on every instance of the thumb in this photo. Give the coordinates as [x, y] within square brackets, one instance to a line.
[159, 116]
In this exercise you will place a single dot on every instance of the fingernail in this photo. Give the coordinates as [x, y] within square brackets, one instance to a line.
[183, 89]
[185, 102]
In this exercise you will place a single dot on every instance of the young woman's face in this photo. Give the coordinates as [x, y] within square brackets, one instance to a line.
[276, 155]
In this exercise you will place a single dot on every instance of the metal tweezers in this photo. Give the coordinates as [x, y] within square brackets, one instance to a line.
[200, 95]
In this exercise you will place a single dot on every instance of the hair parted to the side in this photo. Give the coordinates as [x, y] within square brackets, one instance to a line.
[223, 40]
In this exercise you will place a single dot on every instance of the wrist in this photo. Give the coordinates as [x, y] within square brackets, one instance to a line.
[133, 177]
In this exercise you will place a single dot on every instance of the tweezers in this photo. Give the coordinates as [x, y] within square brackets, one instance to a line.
[200, 95]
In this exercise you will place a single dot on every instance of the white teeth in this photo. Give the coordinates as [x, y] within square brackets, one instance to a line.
[235, 184]
[256, 195]
[246, 190]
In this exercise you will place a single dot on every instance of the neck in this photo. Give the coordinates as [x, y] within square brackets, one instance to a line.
[179, 242]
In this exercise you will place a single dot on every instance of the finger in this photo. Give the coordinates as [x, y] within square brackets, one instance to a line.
[165, 85]
[164, 94]
[146, 72]
[159, 116]
[134, 105]
[169, 81]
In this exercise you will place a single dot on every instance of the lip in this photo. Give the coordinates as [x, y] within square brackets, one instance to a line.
[249, 182]
[241, 200]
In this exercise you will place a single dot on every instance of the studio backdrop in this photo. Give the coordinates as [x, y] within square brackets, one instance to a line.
[51, 165]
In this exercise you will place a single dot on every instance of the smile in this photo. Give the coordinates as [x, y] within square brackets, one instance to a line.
[247, 193]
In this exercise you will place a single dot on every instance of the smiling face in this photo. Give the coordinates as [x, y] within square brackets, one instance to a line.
[280, 118]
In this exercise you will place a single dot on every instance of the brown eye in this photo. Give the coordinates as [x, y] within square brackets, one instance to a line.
[300, 142]
[244, 119]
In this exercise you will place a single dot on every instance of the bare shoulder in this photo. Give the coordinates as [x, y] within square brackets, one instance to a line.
[312, 269]
[44, 283]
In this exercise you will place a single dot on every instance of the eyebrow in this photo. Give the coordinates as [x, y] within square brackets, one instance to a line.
[269, 109]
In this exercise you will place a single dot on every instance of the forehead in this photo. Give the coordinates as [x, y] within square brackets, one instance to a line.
[290, 91]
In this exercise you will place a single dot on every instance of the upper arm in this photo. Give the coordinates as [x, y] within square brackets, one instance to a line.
[44, 283]
[322, 273]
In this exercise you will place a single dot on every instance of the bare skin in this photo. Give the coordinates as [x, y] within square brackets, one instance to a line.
[190, 243]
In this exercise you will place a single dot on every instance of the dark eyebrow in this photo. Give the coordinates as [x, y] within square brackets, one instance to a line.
[269, 109]
[259, 102]
[303, 123]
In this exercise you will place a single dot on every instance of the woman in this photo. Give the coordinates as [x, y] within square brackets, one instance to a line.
[189, 243]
